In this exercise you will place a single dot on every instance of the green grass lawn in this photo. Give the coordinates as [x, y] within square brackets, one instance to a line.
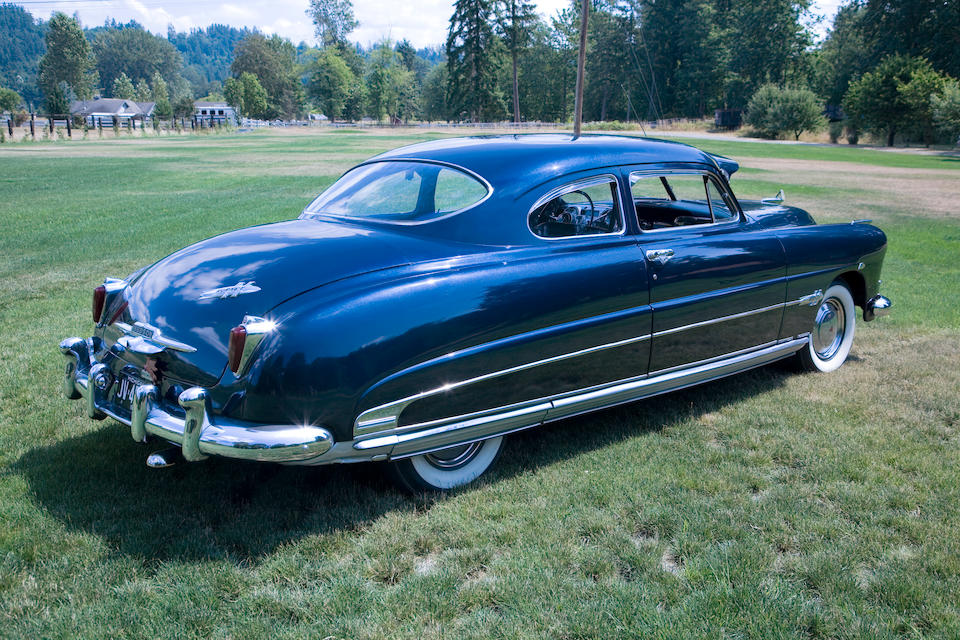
[767, 505]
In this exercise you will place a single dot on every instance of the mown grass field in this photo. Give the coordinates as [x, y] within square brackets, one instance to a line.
[768, 505]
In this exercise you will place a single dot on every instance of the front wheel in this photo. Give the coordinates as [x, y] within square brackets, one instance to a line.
[448, 468]
[832, 334]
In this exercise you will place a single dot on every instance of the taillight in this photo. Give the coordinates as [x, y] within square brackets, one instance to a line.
[99, 298]
[238, 340]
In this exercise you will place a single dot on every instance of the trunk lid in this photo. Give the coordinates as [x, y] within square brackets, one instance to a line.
[196, 295]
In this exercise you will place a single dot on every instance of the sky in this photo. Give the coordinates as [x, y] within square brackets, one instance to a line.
[422, 22]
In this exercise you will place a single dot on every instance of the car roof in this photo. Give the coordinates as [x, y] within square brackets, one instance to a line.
[501, 159]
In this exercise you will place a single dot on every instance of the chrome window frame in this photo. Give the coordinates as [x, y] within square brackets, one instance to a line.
[724, 193]
[304, 214]
[572, 186]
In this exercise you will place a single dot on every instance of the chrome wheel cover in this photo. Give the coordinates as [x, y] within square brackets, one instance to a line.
[454, 457]
[828, 329]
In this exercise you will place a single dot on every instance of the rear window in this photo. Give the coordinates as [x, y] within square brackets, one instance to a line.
[399, 191]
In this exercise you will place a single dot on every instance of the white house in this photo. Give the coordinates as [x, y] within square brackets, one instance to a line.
[214, 112]
[104, 109]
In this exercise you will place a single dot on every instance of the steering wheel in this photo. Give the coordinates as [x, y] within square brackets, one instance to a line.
[593, 208]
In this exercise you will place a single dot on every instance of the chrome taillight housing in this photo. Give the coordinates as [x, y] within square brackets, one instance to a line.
[103, 297]
[244, 340]
[99, 299]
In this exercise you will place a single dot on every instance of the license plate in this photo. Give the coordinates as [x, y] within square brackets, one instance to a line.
[124, 390]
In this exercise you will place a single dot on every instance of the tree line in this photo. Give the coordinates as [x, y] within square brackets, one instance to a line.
[886, 68]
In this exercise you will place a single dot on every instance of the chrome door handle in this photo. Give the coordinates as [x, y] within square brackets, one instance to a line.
[659, 255]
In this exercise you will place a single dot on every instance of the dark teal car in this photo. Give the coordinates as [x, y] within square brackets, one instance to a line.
[440, 296]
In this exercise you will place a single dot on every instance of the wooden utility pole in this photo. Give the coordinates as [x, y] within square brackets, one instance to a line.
[581, 62]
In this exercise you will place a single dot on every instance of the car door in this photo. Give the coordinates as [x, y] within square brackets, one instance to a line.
[566, 313]
[717, 286]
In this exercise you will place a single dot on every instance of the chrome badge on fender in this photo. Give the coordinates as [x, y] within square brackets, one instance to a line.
[230, 292]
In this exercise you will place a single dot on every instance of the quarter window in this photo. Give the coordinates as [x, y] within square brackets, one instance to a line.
[586, 208]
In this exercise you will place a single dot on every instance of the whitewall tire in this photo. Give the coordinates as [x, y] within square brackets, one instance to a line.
[447, 469]
[832, 334]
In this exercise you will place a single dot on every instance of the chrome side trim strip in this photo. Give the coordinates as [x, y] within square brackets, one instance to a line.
[471, 427]
[386, 417]
[705, 323]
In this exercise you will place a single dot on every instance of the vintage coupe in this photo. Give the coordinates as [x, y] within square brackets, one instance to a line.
[444, 294]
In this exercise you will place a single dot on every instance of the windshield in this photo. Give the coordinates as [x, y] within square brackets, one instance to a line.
[400, 191]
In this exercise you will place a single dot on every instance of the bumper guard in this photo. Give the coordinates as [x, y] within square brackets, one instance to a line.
[198, 433]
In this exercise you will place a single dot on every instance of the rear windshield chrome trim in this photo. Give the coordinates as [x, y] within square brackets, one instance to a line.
[311, 215]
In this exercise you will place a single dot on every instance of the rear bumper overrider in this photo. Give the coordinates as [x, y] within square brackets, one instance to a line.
[198, 432]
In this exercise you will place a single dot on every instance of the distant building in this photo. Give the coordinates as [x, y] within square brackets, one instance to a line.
[215, 112]
[105, 109]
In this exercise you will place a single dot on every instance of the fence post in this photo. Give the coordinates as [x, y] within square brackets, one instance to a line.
[10, 125]
[116, 126]
[69, 130]
[33, 126]
[50, 120]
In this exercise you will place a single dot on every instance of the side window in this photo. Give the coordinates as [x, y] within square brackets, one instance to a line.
[664, 201]
[585, 208]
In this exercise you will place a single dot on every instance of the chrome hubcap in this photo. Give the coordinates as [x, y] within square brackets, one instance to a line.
[828, 329]
[454, 456]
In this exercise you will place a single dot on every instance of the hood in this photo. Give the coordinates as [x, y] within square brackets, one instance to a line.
[196, 295]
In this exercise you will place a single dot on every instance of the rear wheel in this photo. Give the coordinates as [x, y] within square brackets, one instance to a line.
[832, 334]
[448, 468]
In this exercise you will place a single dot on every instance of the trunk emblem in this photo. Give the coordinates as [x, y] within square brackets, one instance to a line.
[230, 292]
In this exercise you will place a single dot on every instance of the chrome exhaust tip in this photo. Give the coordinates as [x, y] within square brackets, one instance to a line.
[165, 458]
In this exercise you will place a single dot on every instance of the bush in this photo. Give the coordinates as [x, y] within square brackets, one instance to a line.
[773, 111]
[946, 111]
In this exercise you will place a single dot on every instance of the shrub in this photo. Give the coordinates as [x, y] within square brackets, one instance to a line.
[773, 111]
[946, 110]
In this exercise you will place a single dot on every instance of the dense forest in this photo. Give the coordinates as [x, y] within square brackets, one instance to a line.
[647, 60]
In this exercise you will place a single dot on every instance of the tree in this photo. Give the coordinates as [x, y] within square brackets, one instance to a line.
[273, 62]
[434, 94]
[473, 62]
[883, 100]
[928, 29]
[183, 107]
[142, 91]
[769, 45]
[68, 59]
[515, 21]
[122, 87]
[138, 54]
[390, 88]
[917, 94]
[247, 96]
[946, 110]
[9, 100]
[844, 55]
[21, 46]
[332, 20]
[161, 96]
[331, 83]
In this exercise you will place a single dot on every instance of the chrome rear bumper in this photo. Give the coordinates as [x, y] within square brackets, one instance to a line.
[876, 307]
[198, 432]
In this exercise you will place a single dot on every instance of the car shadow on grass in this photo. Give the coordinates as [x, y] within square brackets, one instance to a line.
[241, 511]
